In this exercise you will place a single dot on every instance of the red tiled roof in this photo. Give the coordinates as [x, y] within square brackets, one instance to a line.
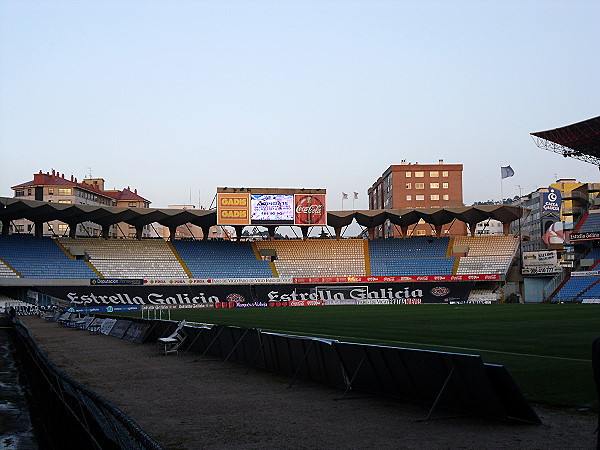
[56, 179]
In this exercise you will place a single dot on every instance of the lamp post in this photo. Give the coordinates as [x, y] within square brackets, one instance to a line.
[520, 240]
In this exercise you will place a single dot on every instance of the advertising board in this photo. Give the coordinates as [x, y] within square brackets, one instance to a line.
[271, 208]
[301, 207]
[540, 263]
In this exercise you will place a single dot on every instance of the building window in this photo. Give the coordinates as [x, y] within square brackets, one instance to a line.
[132, 204]
[63, 227]
[20, 228]
[446, 197]
[445, 174]
[419, 174]
[408, 174]
[64, 201]
[19, 193]
[64, 191]
[419, 185]
[445, 185]
[408, 185]
[421, 232]
[435, 197]
[50, 191]
[434, 185]
[409, 197]
[419, 197]
[434, 174]
[28, 191]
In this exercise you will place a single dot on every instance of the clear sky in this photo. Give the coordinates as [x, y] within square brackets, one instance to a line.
[175, 98]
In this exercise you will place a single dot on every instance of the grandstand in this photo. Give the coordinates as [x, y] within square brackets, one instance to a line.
[221, 259]
[486, 254]
[31, 257]
[414, 256]
[27, 256]
[317, 257]
[129, 258]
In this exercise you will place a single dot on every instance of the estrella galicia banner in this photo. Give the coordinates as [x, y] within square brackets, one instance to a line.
[551, 200]
[198, 296]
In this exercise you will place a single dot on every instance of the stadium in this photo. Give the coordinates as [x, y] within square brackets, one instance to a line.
[346, 313]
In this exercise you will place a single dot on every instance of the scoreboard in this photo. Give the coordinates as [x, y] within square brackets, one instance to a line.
[268, 206]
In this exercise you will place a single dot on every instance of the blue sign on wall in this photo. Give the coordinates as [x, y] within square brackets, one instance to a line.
[551, 200]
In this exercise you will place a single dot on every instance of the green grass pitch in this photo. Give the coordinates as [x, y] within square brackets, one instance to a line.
[545, 347]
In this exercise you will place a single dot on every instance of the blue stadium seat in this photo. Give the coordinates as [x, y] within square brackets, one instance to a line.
[222, 259]
[35, 257]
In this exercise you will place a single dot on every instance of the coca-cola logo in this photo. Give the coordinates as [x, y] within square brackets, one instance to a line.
[309, 210]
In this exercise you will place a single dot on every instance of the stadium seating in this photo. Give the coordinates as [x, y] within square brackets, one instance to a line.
[574, 288]
[7, 272]
[130, 258]
[317, 257]
[589, 223]
[486, 254]
[483, 295]
[222, 259]
[34, 257]
[414, 256]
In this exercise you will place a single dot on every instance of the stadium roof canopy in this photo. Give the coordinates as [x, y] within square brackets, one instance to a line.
[40, 212]
[580, 140]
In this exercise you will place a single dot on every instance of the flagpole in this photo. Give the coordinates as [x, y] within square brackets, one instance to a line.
[501, 188]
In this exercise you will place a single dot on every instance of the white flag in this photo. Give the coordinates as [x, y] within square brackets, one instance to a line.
[356, 196]
[344, 196]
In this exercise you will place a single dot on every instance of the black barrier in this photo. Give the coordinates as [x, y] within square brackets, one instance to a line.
[440, 380]
[596, 371]
[72, 415]
[120, 328]
[137, 332]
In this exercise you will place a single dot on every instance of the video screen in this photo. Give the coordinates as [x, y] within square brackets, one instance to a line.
[271, 208]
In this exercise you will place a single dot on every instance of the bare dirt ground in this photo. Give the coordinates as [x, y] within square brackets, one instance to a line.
[184, 403]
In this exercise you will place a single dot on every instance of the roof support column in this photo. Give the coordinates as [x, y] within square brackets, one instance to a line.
[5, 227]
[105, 231]
[138, 231]
[372, 233]
[205, 232]
[271, 231]
[172, 232]
[38, 229]
[506, 229]
[338, 232]
[304, 231]
[404, 230]
[472, 227]
[239, 229]
[72, 230]
[438, 230]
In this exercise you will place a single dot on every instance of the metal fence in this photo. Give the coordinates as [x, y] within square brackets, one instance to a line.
[71, 414]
